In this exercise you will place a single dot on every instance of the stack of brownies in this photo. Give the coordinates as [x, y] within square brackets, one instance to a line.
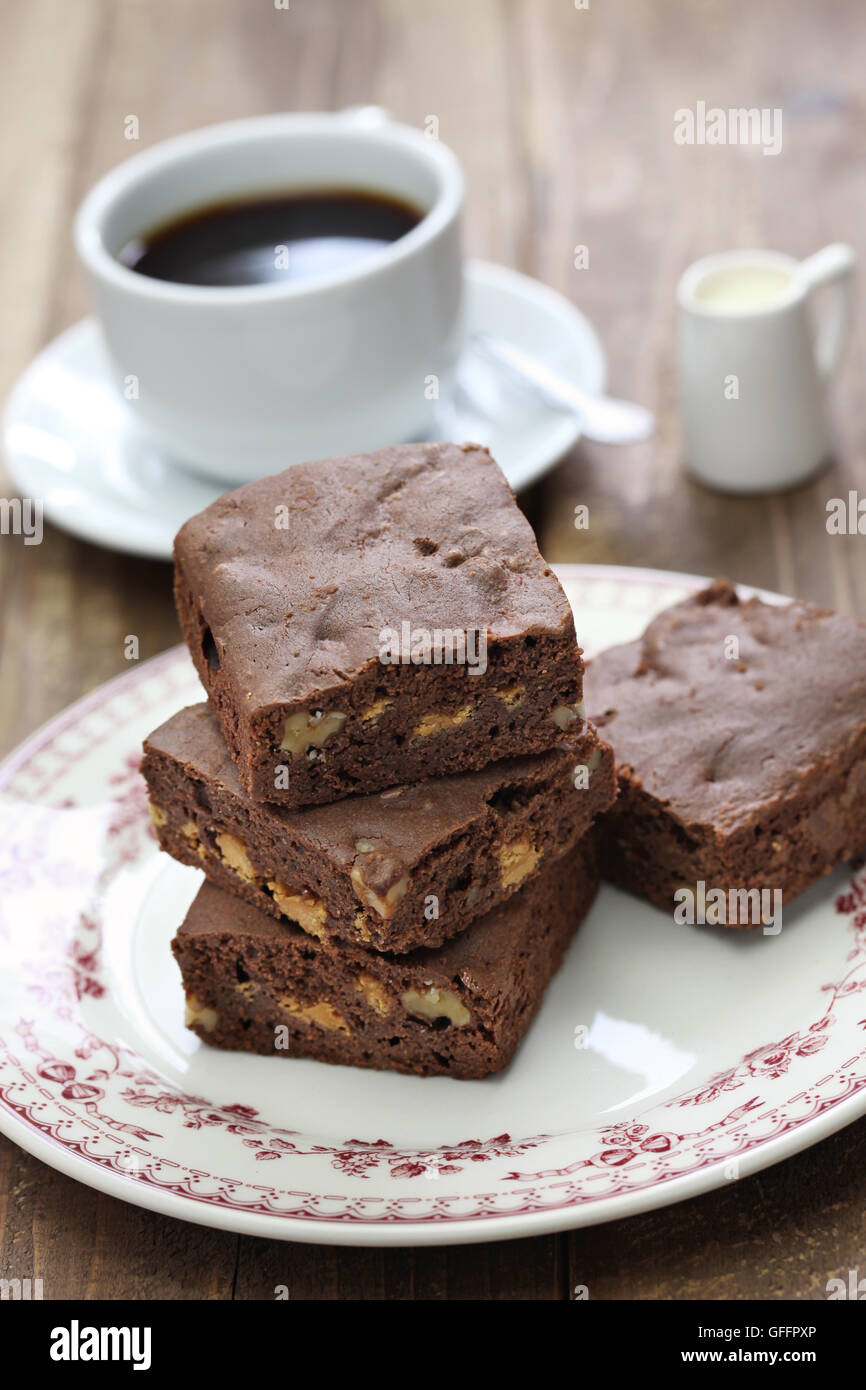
[392, 785]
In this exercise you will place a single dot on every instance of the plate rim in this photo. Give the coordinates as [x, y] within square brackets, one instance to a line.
[433, 1230]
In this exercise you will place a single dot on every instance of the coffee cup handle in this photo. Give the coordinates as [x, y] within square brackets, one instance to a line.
[831, 267]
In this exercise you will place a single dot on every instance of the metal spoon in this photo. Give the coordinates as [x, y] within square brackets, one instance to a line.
[604, 419]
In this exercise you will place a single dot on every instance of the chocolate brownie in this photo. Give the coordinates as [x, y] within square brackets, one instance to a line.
[259, 986]
[407, 867]
[365, 622]
[739, 732]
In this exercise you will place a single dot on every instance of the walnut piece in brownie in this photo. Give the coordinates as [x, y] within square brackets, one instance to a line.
[369, 621]
[739, 732]
[407, 867]
[255, 985]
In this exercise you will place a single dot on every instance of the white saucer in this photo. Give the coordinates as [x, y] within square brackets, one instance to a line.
[70, 440]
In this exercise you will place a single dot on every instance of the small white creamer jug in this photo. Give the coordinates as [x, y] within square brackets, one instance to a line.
[754, 369]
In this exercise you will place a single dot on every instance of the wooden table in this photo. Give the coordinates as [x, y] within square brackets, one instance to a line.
[563, 119]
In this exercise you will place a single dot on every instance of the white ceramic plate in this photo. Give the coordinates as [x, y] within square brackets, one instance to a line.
[70, 440]
[710, 1054]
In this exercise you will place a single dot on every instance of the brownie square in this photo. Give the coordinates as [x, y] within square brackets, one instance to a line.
[739, 732]
[255, 985]
[407, 867]
[370, 621]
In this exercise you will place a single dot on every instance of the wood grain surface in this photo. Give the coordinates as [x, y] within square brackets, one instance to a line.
[563, 118]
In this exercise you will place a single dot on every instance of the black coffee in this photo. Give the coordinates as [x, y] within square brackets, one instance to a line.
[271, 239]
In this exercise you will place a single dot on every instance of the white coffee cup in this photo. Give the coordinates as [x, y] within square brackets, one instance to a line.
[753, 371]
[241, 381]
